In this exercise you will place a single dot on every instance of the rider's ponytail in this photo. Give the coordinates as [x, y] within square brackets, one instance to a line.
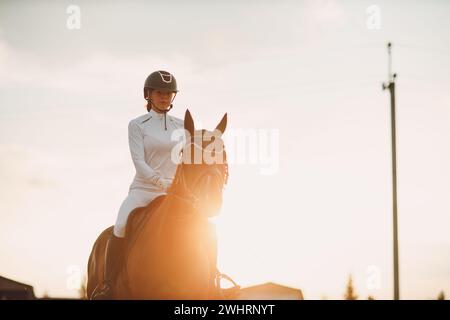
[148, 92]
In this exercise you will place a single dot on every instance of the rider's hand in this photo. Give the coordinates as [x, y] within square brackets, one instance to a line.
[164, 183]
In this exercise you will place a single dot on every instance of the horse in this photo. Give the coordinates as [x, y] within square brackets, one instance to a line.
[171, 246]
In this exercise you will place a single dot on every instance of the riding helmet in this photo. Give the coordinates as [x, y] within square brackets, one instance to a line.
[161, 80]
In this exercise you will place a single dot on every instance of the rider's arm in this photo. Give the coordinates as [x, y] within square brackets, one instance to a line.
[136, 143]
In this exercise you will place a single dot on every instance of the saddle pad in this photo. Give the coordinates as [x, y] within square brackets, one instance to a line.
[137, 219]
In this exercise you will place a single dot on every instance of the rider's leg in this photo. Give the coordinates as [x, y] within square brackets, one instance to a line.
[114, 246]
[136, 198]
[113, 255]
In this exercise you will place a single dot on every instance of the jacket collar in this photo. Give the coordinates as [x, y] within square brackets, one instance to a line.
[160, 116]
[156, 115]
[152, 114]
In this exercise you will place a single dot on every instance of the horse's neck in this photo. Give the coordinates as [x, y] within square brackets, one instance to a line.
[178, 203]
[178, 195]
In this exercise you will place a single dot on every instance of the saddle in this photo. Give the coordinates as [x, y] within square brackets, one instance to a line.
[136, 220]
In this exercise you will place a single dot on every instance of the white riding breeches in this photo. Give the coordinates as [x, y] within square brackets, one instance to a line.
[136, 198]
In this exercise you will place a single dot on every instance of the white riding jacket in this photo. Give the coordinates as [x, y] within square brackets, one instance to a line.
[149, 138]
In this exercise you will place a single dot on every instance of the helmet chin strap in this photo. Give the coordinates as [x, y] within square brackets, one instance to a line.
[160, 110]
[152, 106]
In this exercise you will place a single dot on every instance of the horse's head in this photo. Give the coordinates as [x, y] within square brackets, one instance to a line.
[203, 171]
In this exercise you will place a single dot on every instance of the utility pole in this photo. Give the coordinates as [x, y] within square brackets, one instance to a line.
[391, 86]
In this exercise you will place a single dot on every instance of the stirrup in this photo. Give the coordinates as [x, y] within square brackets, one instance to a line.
[227, 293]
[104, 292]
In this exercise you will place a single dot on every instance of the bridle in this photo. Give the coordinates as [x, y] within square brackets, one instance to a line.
[188, 192]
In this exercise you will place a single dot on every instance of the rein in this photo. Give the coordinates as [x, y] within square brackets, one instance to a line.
[188, 192]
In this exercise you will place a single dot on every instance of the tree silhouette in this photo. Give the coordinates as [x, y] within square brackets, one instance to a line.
[350, 293]
[441, 296]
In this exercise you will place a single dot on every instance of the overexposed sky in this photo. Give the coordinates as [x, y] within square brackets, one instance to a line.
[310, 69]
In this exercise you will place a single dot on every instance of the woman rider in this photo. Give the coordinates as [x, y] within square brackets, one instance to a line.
[149, 138]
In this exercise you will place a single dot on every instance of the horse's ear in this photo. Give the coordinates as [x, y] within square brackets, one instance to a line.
[222, 124]
[189, 123]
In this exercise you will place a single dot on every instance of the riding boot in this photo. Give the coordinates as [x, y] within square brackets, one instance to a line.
[113, 257]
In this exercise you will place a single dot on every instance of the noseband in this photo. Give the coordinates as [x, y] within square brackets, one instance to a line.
[188, 194]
